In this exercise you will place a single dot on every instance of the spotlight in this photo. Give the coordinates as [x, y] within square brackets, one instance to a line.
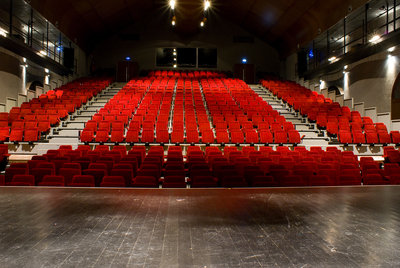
[375, 39]
[172, 4]
[207, 4]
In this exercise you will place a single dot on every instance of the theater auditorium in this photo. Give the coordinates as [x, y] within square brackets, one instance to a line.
[199, 133]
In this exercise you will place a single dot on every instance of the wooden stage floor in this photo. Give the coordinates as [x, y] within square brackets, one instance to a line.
[292, 227]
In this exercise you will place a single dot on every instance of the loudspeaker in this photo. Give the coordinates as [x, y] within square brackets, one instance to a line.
[69, 57]
[301, 62]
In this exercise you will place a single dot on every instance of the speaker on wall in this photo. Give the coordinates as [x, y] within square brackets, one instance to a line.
[69, 57]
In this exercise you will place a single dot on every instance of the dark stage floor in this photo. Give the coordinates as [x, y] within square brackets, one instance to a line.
[309, 227]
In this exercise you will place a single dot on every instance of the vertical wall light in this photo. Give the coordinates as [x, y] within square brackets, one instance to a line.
[346, 82]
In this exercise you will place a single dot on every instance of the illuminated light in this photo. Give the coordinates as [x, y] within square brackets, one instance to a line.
[128, 58]
[46, 70]
[43, 52]
[59, 48]
[332, 59]
[172, 4]
[174, 52]
[375, 39]
[345, 67]
[311, 54]
[322, 84]
[173, 21]
[202, 24]
[174, 59]
[24, 59]
[175, 65]
[391, 49]
[174, 49]
[244, 60]
[3, 32]
[207, 4]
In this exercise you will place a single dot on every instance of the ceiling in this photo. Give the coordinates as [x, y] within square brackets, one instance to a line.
[283, 24]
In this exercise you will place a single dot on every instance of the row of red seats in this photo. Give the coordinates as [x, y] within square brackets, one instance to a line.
[209, 168]
[186, 74]
[189, 116]
[339, 121]
[35, 118]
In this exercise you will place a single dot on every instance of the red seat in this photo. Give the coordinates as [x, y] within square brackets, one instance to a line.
[174, 182]
[294, 136]
[252, 136]
[203, 181]
[280, 137]
[117, 136]
[145, 181]
[113, 181]
[87, 136]
[22, 180]
[68, 174]
[52, 180]
[266, 137]
[16, 135]
[102, 136]
[83, 181]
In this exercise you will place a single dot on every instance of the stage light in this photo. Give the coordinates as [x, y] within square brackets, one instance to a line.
[172, 4]
[207, 4]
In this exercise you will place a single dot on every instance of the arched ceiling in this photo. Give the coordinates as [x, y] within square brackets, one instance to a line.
[283, 24]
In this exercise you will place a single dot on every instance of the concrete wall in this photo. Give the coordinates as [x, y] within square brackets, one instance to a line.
[11, 75]
[158, 32]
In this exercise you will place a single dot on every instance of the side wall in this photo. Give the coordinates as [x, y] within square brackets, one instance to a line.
[370, 80]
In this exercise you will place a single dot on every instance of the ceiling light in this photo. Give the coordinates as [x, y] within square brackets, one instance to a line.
[390, 49]
[375, 39]
[172, 4]
[207, 4]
